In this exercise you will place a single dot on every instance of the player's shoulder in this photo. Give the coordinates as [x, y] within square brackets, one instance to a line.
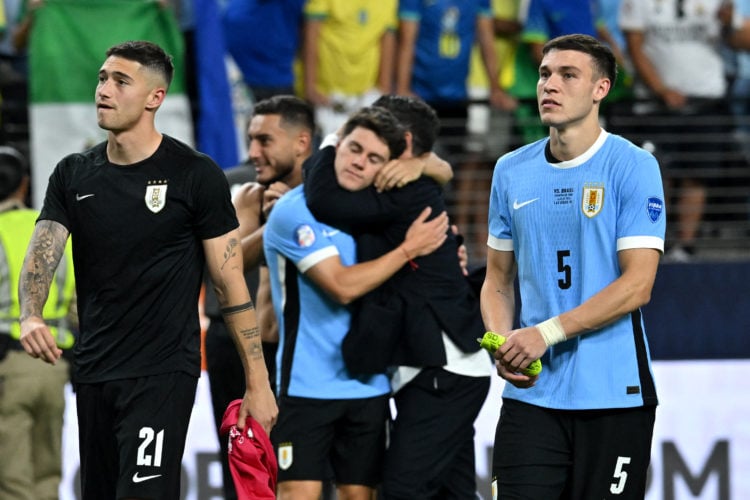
[623, 148]
[528, 152]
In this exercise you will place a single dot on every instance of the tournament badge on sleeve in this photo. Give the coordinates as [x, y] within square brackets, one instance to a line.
[156, 195]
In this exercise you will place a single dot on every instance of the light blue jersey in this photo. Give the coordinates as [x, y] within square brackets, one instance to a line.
[311, 324]
[565, 222]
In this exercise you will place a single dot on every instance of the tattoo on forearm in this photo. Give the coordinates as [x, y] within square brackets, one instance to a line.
[42, 257]
[247, 306]
[254, 350]
[230, 251]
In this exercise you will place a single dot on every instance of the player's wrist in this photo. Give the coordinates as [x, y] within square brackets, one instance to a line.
[552, 331]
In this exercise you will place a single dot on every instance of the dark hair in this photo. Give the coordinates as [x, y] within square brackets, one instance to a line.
[13, 169]
[147, 54]
[605, 64]
[292, 110]
[416, 116]
[383, 124]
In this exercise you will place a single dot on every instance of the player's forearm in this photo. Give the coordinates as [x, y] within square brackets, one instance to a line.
[497, 304]
[241, 322]
[42, 258]
[387, 57]
[437, 168]
[252, 249]
[623, 296]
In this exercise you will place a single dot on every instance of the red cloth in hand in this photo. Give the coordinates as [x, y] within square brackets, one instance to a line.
[252, 460]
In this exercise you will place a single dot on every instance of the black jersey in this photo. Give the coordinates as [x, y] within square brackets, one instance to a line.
[137, 234]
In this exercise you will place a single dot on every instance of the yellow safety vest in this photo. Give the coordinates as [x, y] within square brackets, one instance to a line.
[16, 228]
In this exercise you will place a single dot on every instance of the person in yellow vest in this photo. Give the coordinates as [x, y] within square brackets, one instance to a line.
[32, 397]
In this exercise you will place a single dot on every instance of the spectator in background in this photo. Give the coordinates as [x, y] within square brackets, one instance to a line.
[675, 51]
[263, 37]
[32, 398]
[348, 56]
[435, 44]
[490, 130]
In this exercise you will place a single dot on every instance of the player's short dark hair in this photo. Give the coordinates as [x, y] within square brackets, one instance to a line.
[383, 124]
[13, 168]
[292, 110]
[148, 54]
[605, 64]
[416, 116]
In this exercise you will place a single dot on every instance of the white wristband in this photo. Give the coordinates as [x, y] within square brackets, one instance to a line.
[552, 331]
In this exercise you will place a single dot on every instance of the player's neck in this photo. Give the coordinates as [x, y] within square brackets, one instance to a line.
[571, 142]
[132, 146]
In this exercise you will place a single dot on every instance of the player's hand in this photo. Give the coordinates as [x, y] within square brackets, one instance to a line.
[38, 341]
[521, 348]
[317, 98]
[261, 405]
[518, 379]
[271, 195]
[424, 237]
[463, 253]
[399, 173]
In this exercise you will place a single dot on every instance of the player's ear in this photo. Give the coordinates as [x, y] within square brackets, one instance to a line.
[601, 89]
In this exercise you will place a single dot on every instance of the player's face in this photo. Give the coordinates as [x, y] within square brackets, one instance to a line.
[124, 92]
[567, 91]
[272, 148]
[359, 157]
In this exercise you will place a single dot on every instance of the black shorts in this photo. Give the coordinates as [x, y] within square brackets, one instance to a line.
[571, 454]
[431, 449]
[316, 436]
[132, 435]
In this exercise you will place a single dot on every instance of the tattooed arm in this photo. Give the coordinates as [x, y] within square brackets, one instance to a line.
[224, 262]
[42, 257]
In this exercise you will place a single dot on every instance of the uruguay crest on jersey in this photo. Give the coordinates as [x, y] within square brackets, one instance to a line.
[285, 456]
[592, 199]
[156, 195]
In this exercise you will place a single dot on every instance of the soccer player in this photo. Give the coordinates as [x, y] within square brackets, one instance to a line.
[146, 214]
[579, 218]
[422, 324]
[330, 418]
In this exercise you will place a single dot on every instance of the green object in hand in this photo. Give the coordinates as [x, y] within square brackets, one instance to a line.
[492, 342]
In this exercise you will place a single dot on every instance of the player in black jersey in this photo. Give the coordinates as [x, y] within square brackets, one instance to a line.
[145, 213]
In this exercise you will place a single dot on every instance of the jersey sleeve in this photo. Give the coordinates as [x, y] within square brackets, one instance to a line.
[317, 9]
[214, 212]
[408, 10]
[500, 236]
[55, 207]
[642, 217]
[536, 28]
[293, 232]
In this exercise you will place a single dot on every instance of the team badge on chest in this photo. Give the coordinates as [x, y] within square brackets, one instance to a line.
[285, 456]
[592, 199]
[156, 195]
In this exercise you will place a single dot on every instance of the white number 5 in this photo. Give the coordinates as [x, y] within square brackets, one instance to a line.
[620, 475]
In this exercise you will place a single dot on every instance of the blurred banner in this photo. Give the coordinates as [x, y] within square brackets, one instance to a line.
[67, 47]
[701, 446]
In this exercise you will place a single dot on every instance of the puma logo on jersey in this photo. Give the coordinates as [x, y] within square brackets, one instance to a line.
[517, 205]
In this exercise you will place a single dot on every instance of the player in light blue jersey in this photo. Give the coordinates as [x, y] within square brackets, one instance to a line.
[579, 219]
[328, 418]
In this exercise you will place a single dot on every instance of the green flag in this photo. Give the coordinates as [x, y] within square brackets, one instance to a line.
[67, 47]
